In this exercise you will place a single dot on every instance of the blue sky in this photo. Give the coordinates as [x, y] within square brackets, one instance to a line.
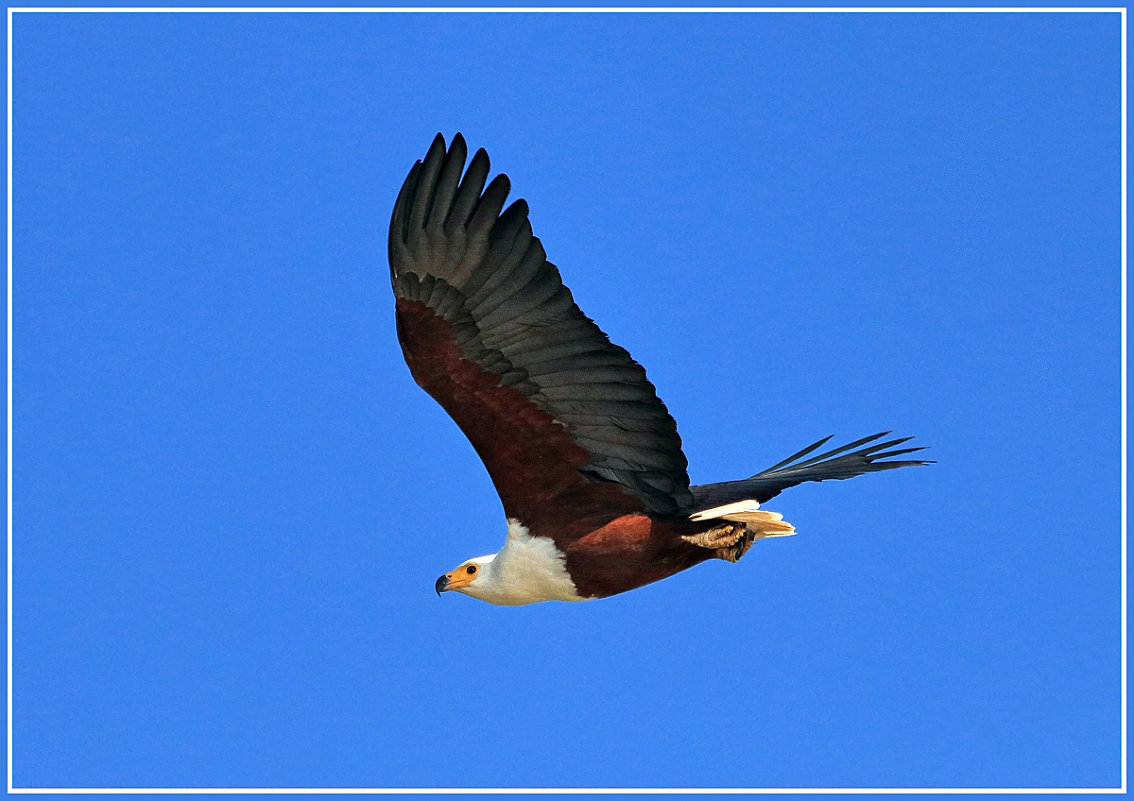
[231, 500]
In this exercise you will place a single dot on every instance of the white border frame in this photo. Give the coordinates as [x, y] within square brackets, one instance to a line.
[560, 791]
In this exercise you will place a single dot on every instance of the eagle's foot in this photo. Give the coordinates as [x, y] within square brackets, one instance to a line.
[728, 541]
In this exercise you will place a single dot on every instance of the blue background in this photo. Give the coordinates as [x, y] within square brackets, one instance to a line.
[231, 501]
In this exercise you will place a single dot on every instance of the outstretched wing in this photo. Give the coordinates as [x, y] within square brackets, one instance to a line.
[565, 421]
[841, 462]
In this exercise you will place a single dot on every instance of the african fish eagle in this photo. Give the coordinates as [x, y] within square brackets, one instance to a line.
[585, 456]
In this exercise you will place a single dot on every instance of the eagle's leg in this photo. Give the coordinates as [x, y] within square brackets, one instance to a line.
[728, 541]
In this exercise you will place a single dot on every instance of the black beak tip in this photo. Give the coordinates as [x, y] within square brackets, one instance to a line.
[441, 585]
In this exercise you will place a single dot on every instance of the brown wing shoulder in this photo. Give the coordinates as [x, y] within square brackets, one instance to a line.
[531, 458]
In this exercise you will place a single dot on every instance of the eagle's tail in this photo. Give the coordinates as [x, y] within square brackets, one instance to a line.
[847, 461]
[733, 507]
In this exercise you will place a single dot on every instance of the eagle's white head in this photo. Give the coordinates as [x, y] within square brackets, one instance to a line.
[527, 569]
[470, 578]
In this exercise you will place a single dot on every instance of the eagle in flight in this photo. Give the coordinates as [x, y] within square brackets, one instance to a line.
[585, 456]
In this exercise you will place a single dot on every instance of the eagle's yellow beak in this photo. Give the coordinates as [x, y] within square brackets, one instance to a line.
[458, 578]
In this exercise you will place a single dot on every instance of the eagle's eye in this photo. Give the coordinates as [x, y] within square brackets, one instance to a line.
[470, 569]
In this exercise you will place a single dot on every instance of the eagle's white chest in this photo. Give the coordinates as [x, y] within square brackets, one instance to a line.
[527, 569]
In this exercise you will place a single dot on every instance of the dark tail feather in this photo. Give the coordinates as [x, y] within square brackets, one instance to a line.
[842, 462]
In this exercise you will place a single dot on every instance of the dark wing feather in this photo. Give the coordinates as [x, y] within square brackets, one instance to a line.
[565, 421]
[841, 462]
